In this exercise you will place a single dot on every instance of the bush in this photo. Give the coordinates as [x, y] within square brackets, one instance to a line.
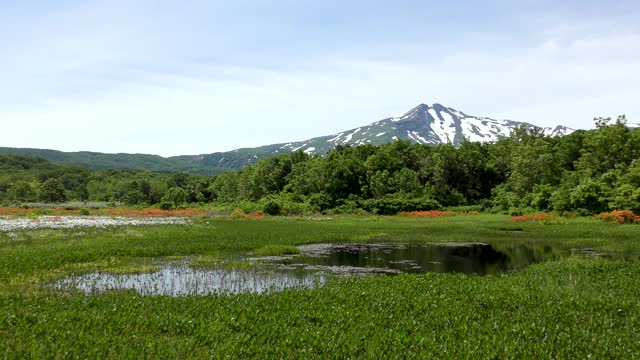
[590, 196]
[166, 205]
[428, 214]
[626, 197]
[465, 208]
[320, 202]
[290, 204]
[503, 199]
[272, 208]
[541, 196]
[393, 204]
[175, 195]
[516, 212]
[540, 218]
[620, 217]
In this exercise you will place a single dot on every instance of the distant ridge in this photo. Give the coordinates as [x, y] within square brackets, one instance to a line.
[424, 124]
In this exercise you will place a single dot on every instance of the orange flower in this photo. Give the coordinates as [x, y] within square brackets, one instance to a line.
[619, 217]
[429, 214]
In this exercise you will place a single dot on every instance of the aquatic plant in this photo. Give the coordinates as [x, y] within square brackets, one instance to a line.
[276, 249]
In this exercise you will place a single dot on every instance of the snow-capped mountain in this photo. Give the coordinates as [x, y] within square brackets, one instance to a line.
[423, 124]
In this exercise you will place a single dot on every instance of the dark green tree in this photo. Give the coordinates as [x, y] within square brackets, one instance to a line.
[52, 191]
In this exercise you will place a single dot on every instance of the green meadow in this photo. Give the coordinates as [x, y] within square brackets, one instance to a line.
[571, 306]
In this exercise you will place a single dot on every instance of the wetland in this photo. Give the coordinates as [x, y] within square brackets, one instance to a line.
[354, 287]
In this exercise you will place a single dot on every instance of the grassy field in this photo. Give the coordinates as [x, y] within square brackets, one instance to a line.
[572, 307]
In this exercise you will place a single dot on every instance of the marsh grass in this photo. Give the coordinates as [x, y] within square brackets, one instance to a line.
[114, 265]
[216, 262]
[570, 307]
[276, 250]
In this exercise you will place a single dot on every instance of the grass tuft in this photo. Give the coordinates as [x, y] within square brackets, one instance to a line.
[275, 250]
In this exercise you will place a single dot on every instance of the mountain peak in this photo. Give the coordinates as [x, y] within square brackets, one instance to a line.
[415, 110]
[423, 124]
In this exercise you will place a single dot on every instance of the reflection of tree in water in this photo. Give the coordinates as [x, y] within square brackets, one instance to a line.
[522, 255]
[472, 258]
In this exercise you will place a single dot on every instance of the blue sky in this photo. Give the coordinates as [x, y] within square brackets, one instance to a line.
[172, 77]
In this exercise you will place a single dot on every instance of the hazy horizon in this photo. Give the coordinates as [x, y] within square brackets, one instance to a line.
[158, 77]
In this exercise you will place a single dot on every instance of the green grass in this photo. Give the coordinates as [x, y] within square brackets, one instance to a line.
[216, 262]
[275, 250]
[572, 307]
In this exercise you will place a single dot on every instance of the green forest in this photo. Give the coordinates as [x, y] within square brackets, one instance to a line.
[586, 172]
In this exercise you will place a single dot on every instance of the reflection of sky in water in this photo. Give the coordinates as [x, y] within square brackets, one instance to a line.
[184, 281]
[311, 268]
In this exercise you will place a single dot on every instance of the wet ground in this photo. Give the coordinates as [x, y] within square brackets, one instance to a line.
[317, 262]
[177, 278]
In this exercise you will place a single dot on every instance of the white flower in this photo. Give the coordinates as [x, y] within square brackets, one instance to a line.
[70, 222]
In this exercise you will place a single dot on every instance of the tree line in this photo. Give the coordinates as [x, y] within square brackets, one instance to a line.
[588, 171]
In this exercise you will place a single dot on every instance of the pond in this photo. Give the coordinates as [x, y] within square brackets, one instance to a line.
[316, 263]
[469, 258]
[177, 278]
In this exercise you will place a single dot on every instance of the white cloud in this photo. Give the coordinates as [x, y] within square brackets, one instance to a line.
[108, 90]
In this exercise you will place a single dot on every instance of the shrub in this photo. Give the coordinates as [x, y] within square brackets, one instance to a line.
[166, 205]
[272, 208]
[393, 204]
[626, 197]
[430, 213]
[516, 212]
[620, 217]
[320, 202]
[175, 195]
[541, 218]
[589, 196]
[237, 213]
[465, 208]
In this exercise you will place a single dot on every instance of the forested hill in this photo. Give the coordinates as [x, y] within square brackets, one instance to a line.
[424, 124]
[585, 172]
[102, 161]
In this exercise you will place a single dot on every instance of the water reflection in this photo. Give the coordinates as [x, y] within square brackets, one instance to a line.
[178, 279]
[318, 262]
[469, 258]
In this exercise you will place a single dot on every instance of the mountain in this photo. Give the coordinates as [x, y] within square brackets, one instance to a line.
[423, 124]
[102, 161]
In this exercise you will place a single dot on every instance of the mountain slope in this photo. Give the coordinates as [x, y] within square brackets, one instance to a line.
[102, 161]
[423, 124]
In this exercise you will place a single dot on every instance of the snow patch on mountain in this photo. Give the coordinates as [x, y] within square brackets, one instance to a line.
[424, 124]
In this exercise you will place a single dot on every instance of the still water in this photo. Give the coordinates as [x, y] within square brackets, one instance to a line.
[315, 264]
[469, 258]
[179, 279]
